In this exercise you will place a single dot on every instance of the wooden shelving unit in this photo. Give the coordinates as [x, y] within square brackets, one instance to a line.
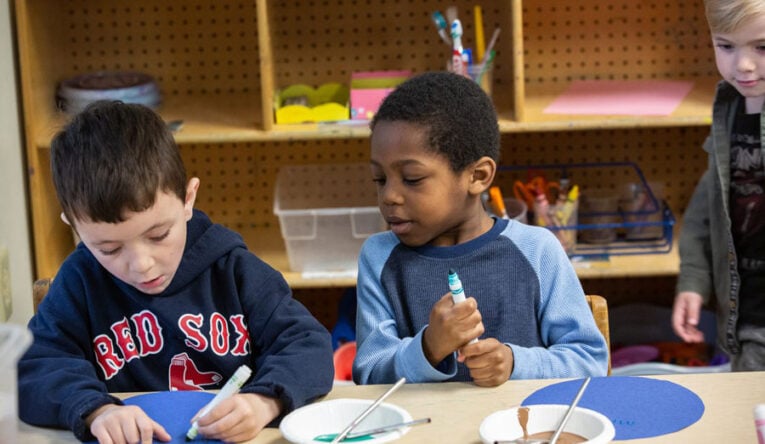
[219, 64]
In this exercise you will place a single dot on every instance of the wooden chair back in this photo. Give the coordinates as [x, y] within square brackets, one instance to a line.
[39, 290]
[599, 308]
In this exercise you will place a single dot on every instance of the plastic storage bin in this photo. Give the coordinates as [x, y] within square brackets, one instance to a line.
[14, 340]
[325, 214]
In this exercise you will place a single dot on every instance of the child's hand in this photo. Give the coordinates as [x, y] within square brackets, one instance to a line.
[685, 316]
[490, 362]
[118, 424]
[450, 327]
[239, 418]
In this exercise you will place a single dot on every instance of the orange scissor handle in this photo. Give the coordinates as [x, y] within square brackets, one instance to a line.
[539, 185]
[524, 192]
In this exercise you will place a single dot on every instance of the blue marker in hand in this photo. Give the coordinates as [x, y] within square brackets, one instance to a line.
[455, 285]
[458, 293]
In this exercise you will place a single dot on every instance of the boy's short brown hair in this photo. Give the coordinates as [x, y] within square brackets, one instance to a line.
[114, 157]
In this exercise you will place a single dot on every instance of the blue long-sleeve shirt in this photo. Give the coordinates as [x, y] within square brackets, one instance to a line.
[94, 334]
[527, 292]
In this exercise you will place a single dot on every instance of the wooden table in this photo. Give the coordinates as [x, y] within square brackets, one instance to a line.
[457, 409]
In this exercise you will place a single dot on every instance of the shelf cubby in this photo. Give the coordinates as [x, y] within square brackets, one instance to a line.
[219, 64]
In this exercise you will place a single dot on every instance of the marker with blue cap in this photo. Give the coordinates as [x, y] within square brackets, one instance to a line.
[458, 292]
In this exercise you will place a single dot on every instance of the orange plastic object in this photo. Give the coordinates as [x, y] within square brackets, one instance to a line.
[343, 359]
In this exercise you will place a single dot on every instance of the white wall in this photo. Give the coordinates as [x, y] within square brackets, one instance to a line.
[14, 219]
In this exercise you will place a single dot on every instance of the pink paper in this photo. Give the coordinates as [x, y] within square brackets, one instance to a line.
[628, 97]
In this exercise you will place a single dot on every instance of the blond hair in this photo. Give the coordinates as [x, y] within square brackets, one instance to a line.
[725, 16]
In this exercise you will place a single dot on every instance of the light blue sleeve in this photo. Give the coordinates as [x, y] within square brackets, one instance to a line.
[574, 347]
[381, 356]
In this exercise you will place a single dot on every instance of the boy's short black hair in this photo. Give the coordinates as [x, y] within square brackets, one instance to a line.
[114, 157]
[457, 115]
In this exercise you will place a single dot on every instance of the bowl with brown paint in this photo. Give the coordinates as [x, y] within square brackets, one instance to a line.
[506, 425]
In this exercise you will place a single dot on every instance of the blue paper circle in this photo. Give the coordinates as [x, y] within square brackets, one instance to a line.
[638, 407]
[173, 410]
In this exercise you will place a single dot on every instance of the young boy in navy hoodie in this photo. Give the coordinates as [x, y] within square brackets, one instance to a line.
[156, 297]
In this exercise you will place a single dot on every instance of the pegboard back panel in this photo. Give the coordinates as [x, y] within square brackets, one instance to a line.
[192, 48]
[238, 180]
[615, 40]
[323, 303]
[672, 156]
[315, 42]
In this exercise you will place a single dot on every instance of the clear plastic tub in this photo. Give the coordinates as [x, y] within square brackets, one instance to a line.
[14, 340]
[325, 214]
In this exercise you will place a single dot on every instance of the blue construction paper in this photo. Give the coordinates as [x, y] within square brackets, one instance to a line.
[173, 410]
[638, 407]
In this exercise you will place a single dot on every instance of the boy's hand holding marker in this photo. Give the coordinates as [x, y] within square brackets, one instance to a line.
[230, 389]
[451, 326]
[490, 362]
[458, 293]
[454, 325]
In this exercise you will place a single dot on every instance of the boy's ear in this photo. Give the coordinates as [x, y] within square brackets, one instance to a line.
[191, 197]
[71, 225]
[484, 170]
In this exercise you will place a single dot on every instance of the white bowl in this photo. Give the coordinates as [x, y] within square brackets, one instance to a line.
[303, 424]
[503, 425]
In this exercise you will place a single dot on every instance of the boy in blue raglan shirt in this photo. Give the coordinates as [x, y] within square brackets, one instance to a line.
[156, 297]
[434, 148]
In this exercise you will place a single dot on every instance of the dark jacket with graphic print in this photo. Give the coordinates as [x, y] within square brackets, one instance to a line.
[94, 334]
[708, 258]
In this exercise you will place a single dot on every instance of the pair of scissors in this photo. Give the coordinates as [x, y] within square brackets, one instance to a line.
[537, 185]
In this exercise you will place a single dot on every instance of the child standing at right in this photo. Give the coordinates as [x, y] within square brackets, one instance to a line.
[722, 243]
